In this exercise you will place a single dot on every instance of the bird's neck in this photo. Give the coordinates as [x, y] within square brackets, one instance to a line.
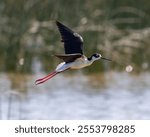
[90, 59]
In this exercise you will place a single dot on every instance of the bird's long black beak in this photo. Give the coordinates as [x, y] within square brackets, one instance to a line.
[106, 59]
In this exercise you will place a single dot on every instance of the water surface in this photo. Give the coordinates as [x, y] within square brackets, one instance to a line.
[112, 95]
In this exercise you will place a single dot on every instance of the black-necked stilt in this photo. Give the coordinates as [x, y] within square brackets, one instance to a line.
[73, 57]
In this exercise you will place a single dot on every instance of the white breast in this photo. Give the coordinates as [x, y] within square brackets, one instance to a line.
[77, 64]
[80, 63]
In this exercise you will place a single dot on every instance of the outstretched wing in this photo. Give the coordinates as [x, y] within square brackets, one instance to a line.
[68, 57]
[73, 42]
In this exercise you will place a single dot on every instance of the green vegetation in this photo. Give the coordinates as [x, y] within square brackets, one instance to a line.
[119, 29]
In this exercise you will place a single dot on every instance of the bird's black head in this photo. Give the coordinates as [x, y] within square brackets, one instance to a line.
[95, 56]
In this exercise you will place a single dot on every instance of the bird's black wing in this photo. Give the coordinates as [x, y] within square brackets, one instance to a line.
[68, 57]
[73, 42]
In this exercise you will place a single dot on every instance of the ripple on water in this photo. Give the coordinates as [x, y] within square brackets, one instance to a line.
[68, 97]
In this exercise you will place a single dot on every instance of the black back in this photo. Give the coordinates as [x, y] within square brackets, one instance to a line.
[73, 42]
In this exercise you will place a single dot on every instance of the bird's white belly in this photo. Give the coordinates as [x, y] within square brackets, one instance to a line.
[78, 64]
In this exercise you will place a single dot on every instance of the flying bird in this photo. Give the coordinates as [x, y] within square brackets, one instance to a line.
[73, 57]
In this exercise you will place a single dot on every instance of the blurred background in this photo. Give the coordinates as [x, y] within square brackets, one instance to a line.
[118, 29]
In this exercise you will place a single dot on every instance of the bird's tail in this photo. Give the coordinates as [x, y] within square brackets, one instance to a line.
[44, 79]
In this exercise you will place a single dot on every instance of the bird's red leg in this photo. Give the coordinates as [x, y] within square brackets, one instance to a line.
[42, 80]
[49, 76]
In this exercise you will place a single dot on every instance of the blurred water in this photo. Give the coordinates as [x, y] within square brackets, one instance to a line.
[115, 96]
